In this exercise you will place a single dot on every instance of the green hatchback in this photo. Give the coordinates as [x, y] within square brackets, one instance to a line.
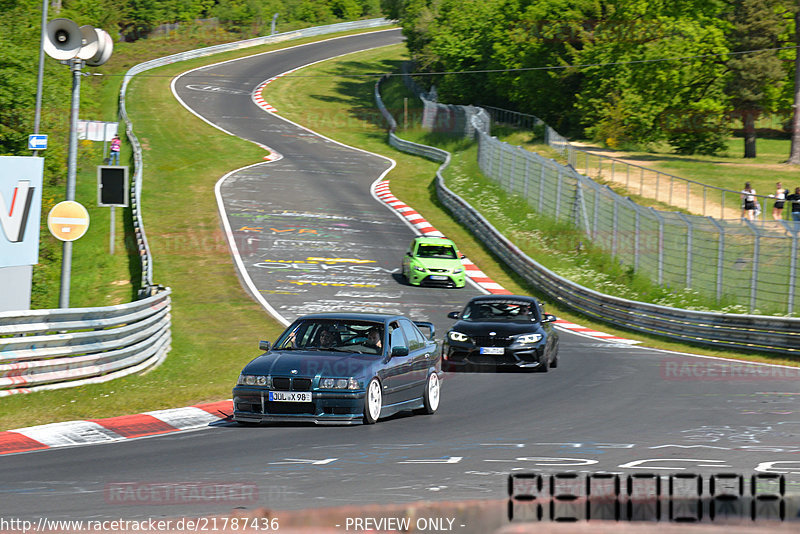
[433, 261]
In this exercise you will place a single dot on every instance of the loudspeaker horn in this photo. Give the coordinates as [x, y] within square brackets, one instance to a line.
[90, 42]
[63, 39]
[105, 46]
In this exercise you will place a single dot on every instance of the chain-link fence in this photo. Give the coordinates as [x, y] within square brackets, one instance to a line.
[689, 195]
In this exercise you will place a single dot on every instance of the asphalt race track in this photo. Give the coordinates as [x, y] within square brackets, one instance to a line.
[312, 237]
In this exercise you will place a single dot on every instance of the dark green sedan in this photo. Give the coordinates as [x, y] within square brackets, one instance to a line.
[342, 368]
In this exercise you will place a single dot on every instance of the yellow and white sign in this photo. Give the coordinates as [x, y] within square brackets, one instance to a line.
[68, 220]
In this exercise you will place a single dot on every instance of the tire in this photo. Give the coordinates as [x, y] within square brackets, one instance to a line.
[432, 394]
[545, 366]
[554, 363]
[373, 401]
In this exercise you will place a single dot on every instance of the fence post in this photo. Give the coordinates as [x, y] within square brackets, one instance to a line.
[541, 187]
[792, 274]
[720, 255]
[558, 192]
[660, 278]
[754, 276]
[689, 236]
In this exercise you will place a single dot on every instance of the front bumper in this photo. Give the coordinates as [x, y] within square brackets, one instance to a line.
[514, 356]
[251, 405]
[417, 278]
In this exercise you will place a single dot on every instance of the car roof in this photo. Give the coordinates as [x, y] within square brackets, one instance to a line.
[434, 240]
[352, 316]
[522, 298]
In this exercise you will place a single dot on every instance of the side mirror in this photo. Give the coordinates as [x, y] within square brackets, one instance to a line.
[549, 318]
[452, 315]
[264, 345]
[399, 351]
[461, 256]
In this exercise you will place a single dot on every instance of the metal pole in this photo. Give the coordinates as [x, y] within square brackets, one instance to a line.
[72, 164]
[38, 113]
[111, 238]
[274, 22]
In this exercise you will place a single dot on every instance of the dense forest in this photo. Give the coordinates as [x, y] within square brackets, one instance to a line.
[627, 73]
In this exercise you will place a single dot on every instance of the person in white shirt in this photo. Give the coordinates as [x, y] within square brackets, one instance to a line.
[748, 202]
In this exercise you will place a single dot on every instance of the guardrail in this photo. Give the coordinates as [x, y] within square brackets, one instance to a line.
[52, 349]
[720, 330]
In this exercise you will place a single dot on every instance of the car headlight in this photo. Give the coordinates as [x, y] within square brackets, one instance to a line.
[420, 269]
[458, 270]
[529, 338]
[338, 383]
[253, 380]
[457, 336]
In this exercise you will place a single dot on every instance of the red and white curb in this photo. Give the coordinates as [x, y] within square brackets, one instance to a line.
[382, 191]
[113, 429]
[258, 97]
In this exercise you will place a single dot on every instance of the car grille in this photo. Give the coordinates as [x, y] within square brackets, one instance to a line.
[489, 341]
[284, 383]
[439, 270]
[290, 408]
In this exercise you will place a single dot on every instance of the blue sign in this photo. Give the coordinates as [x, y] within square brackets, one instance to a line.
[37, 142]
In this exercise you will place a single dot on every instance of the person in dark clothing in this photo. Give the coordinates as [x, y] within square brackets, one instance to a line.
[794, 198]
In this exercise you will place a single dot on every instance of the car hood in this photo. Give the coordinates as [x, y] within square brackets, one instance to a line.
[501, 329]
[310, 364]
[439, 263]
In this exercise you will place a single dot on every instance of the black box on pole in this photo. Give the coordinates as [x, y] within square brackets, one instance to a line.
[112, 185]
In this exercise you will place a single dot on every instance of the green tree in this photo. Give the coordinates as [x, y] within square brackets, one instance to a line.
[754, 72]
[636, 91]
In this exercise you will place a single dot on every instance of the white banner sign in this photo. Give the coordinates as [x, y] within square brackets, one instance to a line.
[20, 209]
[97, 130]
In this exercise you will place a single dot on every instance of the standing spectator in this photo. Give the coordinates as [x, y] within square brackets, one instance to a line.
[116, 144]
[779, 196]
[795, 198]
[748, 202]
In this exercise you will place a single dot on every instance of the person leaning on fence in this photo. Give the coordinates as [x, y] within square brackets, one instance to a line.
[748, 202]
[779, 196]
[795, 200]
[113, 156]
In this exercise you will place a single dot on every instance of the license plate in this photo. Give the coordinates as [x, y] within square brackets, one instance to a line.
[290, 396]
[438, 277]
[492, 350]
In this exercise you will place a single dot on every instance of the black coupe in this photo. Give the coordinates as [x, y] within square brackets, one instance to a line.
[501, 331]
[341, 368]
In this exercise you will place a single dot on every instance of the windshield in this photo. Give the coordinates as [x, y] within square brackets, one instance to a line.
[358, 337]
[446, 252]
[500, 310]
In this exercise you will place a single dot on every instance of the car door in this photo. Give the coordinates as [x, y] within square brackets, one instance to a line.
[397, 374]
[407, 258]
[421, 357]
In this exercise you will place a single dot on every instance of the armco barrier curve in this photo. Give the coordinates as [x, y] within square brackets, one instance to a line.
[719, 330]
[51, 349]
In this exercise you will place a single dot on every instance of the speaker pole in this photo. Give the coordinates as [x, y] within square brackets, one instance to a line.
[38, 113]
[72, 165]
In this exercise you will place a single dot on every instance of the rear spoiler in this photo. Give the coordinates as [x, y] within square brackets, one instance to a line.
[429, 326]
